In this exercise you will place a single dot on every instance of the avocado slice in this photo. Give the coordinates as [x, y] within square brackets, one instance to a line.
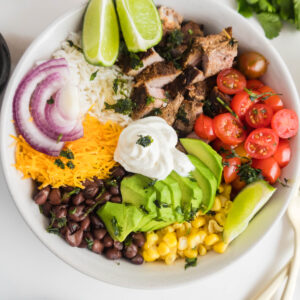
[120, 219]
[163, 202]
[191, 194]
[175, 191]
[207, 182]
[206, 154]
[155, 225]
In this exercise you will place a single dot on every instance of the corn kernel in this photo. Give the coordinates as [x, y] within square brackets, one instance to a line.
[170, 239]
[211, 239]
[198, 222]
[202, 234]
[180, 231]
[151, 238]
[190, 253]
[170, 258]
[221, 189]
[220, 218]
[167, 229]
[202, 250]
[163, 249]
[227, 206]
[150, 254]
[220, 247]
[217, 204]
[188, 227]
[227, 190]
[182, 243]
[193, 240]
[180, 253]
[177, 225]
[214, 227]
[223, 200]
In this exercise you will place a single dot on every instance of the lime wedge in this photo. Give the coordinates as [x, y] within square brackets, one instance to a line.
[245, 205]
[100, 34]
[140, 24]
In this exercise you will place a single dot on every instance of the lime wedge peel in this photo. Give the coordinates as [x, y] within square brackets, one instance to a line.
[100, 34]
[246, 204]
[140, 23]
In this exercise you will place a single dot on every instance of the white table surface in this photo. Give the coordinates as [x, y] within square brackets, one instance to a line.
[28, 270]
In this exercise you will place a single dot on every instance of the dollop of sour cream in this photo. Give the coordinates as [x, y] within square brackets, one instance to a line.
[155, 159]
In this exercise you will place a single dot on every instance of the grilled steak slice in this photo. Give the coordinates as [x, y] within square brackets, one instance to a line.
[157, 75]
[169, 112]
[219, 51]
[147, 99]
[171, 20]
[212, 106]
[191, 30]
[192, 56]
[186, 116]
[147, 58]
[190, 76]
[198, 91]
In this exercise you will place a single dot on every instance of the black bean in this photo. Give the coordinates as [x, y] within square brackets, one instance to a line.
[74, 239]
[108, 241]
[97, 247]
[77, 213]
[118, 245]
[90, 202]
[97, 223]
[99, 182]
[78, 199]
[66, 189]
[65, 198]
[114, 190]
[105, 197]
[139, 239]
[63, 231]
[99, 233]
[84, 224]
[73, 226]
[118, 172]
[137, 260]
[87, 183]
[130, 251]
[113, 253]
[90, 191]
[83, 244]
[41, 197]
[46, 208]
[116, 199]
[88, 236]
[55, 197]
[60, 211]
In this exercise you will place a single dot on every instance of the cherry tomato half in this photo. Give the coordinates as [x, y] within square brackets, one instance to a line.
[259, 115]
[228, 129]
[231, 168]
[218, 145]
[285, 123]
[204, 128]
[241, 102]
[254, 84]
[274, 101]
[252, 64]
[283, 153]
[261, 143]
[269, 167]
[231, 81]
[238, 184]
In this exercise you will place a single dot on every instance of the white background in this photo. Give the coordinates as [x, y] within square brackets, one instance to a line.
[28, 270]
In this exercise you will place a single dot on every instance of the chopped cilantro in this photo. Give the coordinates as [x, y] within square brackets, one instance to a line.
[119, 86]
[144, 141]
[154, 112]
[182, 116]
[90, 243]
[67, 154]
[59, 138]
[149, 100]
[117, 228]
[249, 174]
[73, 192]
[93, 76]
[190, 31]
[122, 106]
[72, 211]
[59, 163]
[135, 61]
[70, 165]
[50, 101]
[227, 107]
[283, 182]
[190, 262]
[71, 44]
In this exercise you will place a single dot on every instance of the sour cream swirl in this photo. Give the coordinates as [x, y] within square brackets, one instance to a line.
[156, 160]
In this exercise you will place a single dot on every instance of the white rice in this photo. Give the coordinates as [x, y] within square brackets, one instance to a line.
[93, 93]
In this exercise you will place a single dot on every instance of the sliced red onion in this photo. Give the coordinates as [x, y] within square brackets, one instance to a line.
[21, 113]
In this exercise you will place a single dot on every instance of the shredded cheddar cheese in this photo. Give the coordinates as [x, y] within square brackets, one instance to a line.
[93, 156]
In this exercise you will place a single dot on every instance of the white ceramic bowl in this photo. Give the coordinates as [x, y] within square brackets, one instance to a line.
[153, 275]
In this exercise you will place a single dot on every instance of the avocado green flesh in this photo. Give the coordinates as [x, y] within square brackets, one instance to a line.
[191, 194]
[207, 182]
[206, 154]
[175, 191]
[120, 219]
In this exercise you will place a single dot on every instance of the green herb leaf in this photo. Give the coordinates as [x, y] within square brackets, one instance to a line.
[117, 229]
[144, 141]
[154, 112]
[119, 86]
[283, 182]
[190, 262]
[149, 100]
[244, 8]
[266, 6]
[72, 211]
[67, 154]
[70, 165]
[122, 106]
[182, 116]
[135, 61]
[190, 31]
[50, 101]
[90, 243]
[58, 162]
[271, 24]
[249, 174]
[93, 76]
[286, 9]
[297, 13]
[227, 107]
[73, 192]
[59, 138]
[71, 44]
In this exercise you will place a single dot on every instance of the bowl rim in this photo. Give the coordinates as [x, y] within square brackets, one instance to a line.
[52, 249]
